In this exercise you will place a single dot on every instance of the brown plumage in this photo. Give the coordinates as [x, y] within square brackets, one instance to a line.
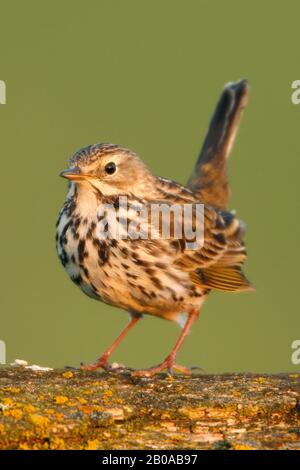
[146, 272]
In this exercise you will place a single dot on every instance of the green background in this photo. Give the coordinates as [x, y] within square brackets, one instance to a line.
[147, 75]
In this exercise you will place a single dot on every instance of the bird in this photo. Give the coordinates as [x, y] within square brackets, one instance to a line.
[166, 277]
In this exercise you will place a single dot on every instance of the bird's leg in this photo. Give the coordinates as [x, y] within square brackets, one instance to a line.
[169, 362]
[102, 362]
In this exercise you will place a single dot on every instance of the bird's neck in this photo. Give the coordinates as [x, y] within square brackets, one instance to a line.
[85, 202]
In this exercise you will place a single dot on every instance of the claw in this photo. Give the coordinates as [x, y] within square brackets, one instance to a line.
[198, 368]
[168, 364]
[96, 365]
[183, 369]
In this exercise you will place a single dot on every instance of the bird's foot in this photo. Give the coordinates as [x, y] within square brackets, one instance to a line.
[101, 363]
[167, 364]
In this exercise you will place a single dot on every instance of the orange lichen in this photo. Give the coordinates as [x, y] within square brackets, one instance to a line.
[92, 445]
[85, 409]
[59, 417]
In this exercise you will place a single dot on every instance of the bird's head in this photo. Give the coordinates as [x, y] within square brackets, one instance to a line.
[109, 170]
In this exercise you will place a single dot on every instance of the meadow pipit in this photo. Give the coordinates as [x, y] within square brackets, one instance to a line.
[129, 263]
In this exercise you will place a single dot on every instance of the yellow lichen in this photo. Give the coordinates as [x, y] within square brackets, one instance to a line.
[97, 383]
[83, 401]
[39, 420]
[29, 408]
[68, 375]
[260, 380]
[71, 403]
[98, 408]
[11, 389]
[24, 446]
[13, 413]
[56, 443]
[242, 447]
[7, 401]
[60, 399]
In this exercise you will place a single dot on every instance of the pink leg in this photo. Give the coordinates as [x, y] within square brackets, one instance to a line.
[169, 362]
[102, 362]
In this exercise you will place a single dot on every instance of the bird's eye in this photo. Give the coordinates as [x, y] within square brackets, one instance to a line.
[110, 168]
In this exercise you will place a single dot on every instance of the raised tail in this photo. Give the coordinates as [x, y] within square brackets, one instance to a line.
[209, 179]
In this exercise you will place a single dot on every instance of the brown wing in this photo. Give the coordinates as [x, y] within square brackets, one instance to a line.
[222, 231]
[217, 264]
[222, 241]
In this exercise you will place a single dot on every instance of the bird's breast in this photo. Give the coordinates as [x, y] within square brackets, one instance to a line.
[137, 275]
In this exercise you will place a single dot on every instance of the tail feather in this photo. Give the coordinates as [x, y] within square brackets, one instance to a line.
[209, 179]
[230, 279]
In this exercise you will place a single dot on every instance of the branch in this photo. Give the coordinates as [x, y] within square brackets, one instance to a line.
[64, 409]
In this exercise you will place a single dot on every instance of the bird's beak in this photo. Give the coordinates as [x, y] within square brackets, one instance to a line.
[74, 173]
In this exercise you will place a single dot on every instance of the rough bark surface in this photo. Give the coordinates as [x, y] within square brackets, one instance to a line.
[64, 409]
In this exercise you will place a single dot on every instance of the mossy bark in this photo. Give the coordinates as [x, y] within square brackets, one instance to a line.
[64, 409]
